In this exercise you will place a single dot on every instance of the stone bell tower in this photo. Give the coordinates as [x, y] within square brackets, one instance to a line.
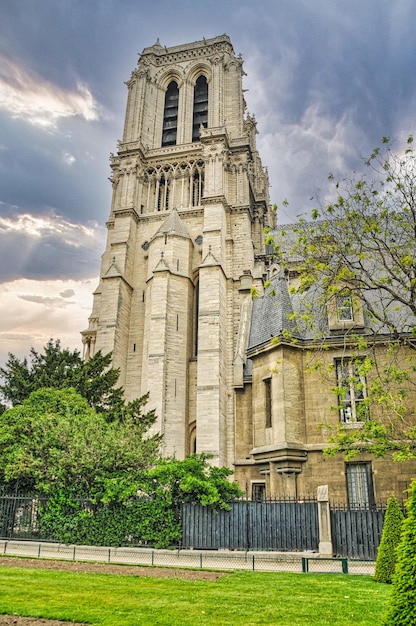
[184, 246]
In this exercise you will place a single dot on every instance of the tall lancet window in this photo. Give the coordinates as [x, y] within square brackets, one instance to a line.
[197, 187]
[163, 194]
[170, 115]
[200, 107]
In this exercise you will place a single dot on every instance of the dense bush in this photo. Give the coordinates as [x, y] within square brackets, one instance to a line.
[390, 538]
[112, 514]
[137, 521]
[402, 608]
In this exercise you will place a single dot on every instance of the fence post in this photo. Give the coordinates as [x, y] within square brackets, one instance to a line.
[324, 520]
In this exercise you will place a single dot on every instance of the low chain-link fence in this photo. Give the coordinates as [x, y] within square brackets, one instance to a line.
[194, 559]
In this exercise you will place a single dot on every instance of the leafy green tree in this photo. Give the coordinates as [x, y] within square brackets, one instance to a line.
[390, 538]
[103, 481]
[192, 480]
[402, 607]
[360, 249]
[60, 368]
[55, 441]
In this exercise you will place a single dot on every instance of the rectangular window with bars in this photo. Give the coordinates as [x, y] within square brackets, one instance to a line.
[360, 488]
[258, 492]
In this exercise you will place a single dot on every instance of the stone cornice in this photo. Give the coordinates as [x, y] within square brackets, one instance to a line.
[168, 270]
[339, 341]
[129, 148]
[216, 200]
[170, 154]
[159, 56]
[130, 212]
[160, 216]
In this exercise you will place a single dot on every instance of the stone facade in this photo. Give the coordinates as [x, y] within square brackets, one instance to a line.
[184, 248]
[285, 457]
[184, 235]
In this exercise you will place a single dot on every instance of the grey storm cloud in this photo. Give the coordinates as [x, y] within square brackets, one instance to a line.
[47, 246]
[325, 80]
[68, 293]
[45, 300]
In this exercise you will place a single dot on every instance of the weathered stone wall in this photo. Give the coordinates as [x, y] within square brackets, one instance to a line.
[288, 457]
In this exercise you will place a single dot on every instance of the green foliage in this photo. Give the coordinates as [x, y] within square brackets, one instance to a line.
[136, 521]
[143, 510]
[390, 538]
[402, 607]
[362, 244]
[192, 480]
[104, 481]
[55, 440]
[60, 368]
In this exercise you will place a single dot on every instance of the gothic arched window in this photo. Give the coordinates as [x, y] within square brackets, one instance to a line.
[197, 188]
[163, 194]
[200, 107]
[170, 115]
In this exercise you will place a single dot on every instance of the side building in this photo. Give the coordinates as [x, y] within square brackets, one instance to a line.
[300, 383]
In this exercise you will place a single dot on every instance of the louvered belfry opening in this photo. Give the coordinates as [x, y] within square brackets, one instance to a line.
[200, 107]
[170, 115]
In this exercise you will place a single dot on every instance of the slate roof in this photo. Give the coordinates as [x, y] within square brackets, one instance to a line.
[271, 313]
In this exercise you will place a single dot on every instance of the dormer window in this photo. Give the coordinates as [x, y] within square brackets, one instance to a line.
[345, 311]
[344, 307]
[170, 115]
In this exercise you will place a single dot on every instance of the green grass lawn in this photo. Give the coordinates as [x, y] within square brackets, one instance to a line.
[240, 598]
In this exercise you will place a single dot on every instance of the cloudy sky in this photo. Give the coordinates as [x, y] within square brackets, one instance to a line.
[326, 79]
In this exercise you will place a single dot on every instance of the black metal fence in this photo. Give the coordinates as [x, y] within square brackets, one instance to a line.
[19, 517]
[356, 533]
[283, 525]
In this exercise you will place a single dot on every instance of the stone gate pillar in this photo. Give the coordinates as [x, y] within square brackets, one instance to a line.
[324, 518]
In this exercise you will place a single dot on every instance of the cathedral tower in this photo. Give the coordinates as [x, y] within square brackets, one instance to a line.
[184, 246]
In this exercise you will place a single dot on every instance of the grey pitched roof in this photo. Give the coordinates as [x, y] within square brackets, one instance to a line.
[376, 297]
[173, 225]
[271, 313]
